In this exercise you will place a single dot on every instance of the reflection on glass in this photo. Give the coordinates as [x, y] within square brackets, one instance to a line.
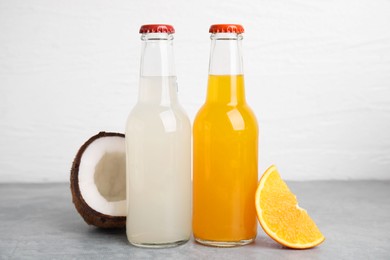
[169, 121]
[236, 119]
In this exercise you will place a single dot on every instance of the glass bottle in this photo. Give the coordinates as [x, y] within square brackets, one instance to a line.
[158, 150]
[225, 143]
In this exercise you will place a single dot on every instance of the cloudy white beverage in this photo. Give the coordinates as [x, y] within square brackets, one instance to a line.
[158, 150]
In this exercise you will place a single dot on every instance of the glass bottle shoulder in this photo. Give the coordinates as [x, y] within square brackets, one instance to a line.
[144, 117]
[226, 118]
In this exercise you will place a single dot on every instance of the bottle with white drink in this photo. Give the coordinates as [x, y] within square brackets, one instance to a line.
[158, 150]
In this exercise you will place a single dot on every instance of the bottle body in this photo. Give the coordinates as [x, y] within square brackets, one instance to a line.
[158, 166]
[225, 150]
[158, 140]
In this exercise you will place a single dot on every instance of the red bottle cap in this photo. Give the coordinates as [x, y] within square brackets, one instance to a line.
[157, 28]
[226, 28]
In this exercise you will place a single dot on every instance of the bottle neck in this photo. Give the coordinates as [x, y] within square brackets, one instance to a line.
[157, 74]
[226, 80]
[226, 90]
[226, 54]
[157, 58]
[160, 91]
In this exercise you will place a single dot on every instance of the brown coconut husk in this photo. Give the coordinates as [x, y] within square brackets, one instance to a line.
[91, 216]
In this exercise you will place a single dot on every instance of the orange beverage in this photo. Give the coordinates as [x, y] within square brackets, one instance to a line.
[225, 155]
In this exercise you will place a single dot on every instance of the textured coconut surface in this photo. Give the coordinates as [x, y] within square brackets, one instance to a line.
[91, 216]
[39, 221]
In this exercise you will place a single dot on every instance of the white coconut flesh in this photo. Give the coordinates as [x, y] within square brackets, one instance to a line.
[102, 175]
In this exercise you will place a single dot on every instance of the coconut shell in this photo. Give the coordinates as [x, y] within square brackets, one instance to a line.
[91, 216]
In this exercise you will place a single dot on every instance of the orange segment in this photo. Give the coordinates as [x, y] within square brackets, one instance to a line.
[281, 217]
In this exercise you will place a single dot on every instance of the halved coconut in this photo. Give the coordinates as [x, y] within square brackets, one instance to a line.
[98, 180]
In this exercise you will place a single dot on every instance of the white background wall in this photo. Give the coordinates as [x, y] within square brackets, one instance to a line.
[317, 76]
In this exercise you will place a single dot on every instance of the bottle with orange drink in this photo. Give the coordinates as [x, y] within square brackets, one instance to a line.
[225, 149]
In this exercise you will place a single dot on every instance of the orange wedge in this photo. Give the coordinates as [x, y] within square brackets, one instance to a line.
[281, 217]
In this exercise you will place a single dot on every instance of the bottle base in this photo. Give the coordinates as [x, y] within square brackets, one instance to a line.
[159, 245]
[224, 243]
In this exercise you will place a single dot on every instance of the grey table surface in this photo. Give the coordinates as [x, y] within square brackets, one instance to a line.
[39, 221]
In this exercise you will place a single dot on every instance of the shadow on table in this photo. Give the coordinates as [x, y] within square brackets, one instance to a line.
[265, 242]
[120, 235]
[69, 221]
[116, 234]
